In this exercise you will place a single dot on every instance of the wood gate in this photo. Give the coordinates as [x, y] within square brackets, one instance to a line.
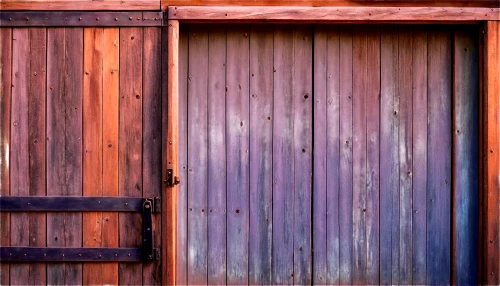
[328, 154]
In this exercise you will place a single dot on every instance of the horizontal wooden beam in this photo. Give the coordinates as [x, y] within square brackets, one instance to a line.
[331, 14]
[80, 19]
[80, 5]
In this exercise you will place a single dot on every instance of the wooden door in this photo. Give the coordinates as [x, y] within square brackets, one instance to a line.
[328, 154]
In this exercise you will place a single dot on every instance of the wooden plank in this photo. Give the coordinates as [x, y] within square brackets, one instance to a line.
[19, 149]
[182, 213]
[169, 219]
[320, 181]
[110, 106]
[152, 139]
[283, 158]
[92, 145]
[466, 157]
[237, 162]
[331, 14]
[359, 158]
[130, 146]
[64, 144]
[5, 126]
[197, 165]
[346, 175]
[372, 154]
[389, 166]
[261, 162]
[303, 147]
[419, 222]
[439, 158]
[405, 87]
[36, 141]
[216, 157]
[491, 91]
[77, 5]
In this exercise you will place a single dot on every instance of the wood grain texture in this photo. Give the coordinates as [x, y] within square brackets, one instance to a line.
[346, 172]
[169, 219]
[216, 148]
[466, 157]
[283, 156]
[491, 91]
[92, 145]
[130, 146]
[197, 165]
[64, 144]
[237, 162]
[5, 126]
[19, 150]
[152, 139]
[331, 14]
[110, 109]
[77, 5]
[439, 157]
[419, 221]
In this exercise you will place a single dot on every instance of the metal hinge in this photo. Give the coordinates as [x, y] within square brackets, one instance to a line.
[171, 179]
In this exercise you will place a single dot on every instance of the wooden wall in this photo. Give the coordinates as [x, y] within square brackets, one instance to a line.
[328, 154]
[80, 116]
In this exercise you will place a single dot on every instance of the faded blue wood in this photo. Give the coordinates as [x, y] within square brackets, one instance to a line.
[345, 169]
[216, 186]
[359, 60]
[389, 165]
[466, 156]
[419, 221]
[439, 157]
[373, 154]
[283, 157]
[303, 153]
[261, 154]
[405, 153]
[237, 136]
[198, 161]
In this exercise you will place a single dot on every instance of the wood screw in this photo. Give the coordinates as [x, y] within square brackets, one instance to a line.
[27, 19]
[116, 19]
[97, 19]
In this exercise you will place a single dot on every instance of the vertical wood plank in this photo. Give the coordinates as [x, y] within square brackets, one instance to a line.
[372, 154]
[261, 156]
[64, 144]
[283, 159]
[5, 124]
[169, 217]
[216, 185]
[302, 133]
[405, 153]
[130, 146]
[465, 156]
[19, 150]
[492, 153]
[346, 173]
[359, 50]
[151, 145]
[92, 145]
[439, 158]
[110, 106]
[333, 155]
[238, 167]
[182, 213]
[389, 166]
[419, 223]
[198, 164]
[36, 143]
[320, 203]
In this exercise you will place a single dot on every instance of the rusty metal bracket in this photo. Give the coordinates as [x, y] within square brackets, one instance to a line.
[171, 179]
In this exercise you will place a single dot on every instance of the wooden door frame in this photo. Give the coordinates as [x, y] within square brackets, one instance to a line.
[489, 94]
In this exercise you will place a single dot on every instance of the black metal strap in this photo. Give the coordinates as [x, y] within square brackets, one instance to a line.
[76, 204]
[52, 254]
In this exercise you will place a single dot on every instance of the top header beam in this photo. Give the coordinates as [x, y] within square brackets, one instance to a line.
[200, 14]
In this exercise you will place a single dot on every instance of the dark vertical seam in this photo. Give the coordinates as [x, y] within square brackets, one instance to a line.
[207, 234]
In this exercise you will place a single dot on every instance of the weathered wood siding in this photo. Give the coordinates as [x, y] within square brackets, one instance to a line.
[80, 115]
[328, 154]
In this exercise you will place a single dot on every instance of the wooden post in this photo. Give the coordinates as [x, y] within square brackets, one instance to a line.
[169, 220]
[491, 153]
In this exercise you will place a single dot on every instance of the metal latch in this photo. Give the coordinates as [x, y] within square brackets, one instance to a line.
[147, 229]
[171, 179]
